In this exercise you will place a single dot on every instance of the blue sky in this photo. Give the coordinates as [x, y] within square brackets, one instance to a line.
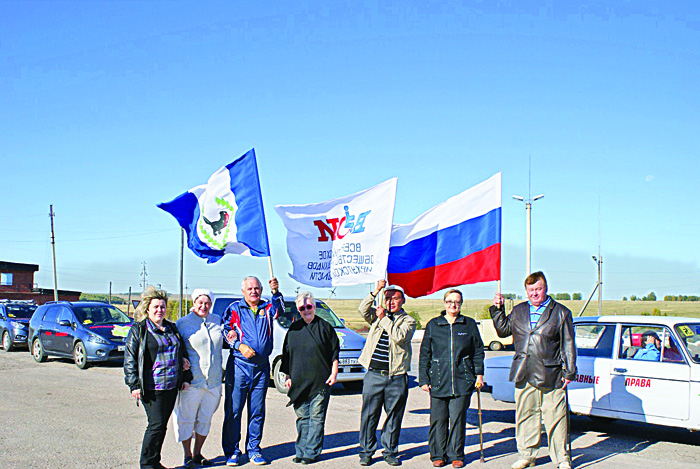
[109, 108]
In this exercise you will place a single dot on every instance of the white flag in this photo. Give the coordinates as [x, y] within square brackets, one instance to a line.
[342, 241]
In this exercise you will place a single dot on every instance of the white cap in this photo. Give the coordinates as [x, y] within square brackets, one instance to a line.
[199, 292]
[395, 288]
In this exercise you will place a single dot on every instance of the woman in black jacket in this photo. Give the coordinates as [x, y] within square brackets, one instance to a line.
[451, 365]
[155, 369]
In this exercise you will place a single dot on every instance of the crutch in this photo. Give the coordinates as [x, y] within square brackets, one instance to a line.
[568, 426]
[481, 432]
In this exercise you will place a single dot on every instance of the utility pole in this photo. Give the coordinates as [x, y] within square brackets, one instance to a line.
[599, 261]
[144, 275]
[53, 249]
[128, 305]
[110, 293]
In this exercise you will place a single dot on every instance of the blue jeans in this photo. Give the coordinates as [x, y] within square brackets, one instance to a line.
[244, 383]
[311, 418]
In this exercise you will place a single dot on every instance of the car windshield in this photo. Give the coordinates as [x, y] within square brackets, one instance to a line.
[291, 314]
[99, 315]
[690, 337]
[20, 311]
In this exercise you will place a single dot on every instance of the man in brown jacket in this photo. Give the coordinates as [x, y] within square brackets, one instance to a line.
[543, 365]
[387, 357]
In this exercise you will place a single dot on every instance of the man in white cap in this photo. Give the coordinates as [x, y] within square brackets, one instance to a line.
[387, 357]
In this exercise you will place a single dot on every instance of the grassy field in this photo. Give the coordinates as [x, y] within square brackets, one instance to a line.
[428, 309]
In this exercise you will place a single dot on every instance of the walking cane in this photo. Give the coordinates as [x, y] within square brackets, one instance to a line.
[568, 425]
[481, 432]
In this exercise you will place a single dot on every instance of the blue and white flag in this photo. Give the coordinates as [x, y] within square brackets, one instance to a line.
[225, 215]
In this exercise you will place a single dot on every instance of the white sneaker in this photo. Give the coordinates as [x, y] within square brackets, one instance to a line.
[564, 465]
[522, 464]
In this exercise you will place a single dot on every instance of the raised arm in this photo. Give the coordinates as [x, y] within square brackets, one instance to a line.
[498, 314]
[366, 308]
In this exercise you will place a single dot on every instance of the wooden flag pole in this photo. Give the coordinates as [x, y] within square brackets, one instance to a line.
[269, 264]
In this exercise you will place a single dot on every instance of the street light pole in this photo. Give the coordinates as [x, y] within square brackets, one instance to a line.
[528, 211]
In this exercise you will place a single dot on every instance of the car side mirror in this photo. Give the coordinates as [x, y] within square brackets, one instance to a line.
[64, 322]
[342, 320]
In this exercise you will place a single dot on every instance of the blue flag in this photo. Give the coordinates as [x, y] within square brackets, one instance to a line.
[225, 215]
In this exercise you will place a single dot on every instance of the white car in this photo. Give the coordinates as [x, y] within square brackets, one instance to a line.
[350, 372]
[612, 383]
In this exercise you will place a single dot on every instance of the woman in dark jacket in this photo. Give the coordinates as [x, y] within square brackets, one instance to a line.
[155, 369]
[451, 365]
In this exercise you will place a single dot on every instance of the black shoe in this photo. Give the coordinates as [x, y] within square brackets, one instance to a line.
[392, 460]
[365, 460]
[297, 460]
[201, 460]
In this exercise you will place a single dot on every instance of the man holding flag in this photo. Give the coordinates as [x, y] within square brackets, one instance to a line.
[248, 329]
[543, 365]
[387, 357]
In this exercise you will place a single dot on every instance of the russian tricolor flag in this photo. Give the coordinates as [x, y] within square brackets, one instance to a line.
[455, 243]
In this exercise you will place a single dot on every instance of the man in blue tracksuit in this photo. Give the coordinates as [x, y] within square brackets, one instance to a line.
[248, 328]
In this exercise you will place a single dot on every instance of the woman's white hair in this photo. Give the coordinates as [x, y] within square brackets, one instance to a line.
[305, 294]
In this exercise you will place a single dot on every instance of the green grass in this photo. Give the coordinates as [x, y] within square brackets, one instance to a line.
[428, 309]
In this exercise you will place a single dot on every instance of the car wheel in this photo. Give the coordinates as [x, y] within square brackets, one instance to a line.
[38, 351]
[80, 355]
[495, 346]
[7, 344]
[278, 377]
[353, 385]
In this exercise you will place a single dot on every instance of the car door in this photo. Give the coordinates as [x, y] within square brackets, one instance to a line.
[48, 327]
[594, 345]
[659, 388]
[65, 332]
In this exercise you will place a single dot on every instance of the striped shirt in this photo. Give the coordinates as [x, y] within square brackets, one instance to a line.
[536, 312]
[380, 357]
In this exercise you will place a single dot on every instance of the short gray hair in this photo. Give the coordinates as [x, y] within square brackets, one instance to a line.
[249, 278]
[305, 294]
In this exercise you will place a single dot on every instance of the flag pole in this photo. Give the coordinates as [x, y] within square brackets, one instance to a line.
[182, 271]
[269, 265]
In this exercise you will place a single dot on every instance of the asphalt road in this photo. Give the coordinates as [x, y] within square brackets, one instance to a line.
[55, 416]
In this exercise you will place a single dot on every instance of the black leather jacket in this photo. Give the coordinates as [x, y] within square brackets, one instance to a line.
[451, 356]
[545, 355]
[136, 350]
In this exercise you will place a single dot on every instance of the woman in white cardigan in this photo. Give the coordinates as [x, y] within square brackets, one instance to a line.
[195, 407]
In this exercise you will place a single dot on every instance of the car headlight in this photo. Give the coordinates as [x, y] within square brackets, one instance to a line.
[94, 338]
[18, 325]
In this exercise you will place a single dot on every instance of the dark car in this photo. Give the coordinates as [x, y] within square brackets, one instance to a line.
[86, 331]
[14, 322]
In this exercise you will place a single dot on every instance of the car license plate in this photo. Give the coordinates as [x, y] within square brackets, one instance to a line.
[120, 348]
[348, 361]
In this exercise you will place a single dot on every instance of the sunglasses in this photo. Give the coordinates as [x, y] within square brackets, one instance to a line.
[305, 307]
